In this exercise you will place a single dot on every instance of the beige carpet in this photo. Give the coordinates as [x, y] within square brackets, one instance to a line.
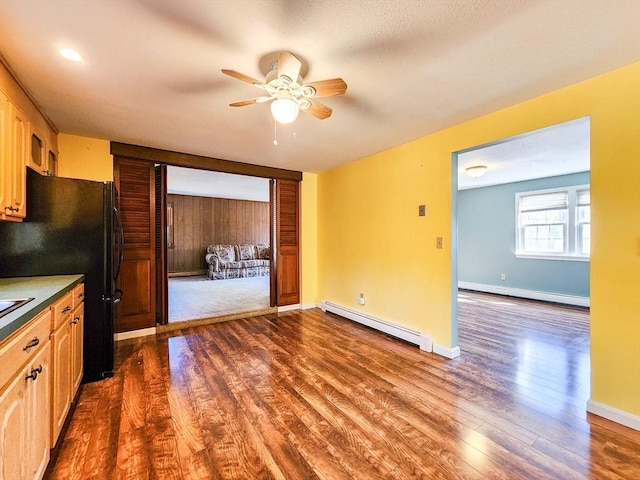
[196, 297]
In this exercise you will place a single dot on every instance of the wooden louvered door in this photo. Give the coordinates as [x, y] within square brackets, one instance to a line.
[287, 241]
[162, 275]
[135, 182]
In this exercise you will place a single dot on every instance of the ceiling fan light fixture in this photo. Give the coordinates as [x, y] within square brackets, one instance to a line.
[70, 54]
[476, 171]
[284, 110]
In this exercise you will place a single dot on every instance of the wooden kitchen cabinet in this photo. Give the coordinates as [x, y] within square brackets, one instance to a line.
[42, 158]
[61, 380]
[77, 338]
[19, 134]
[67, 355]
[25, 402]
[62, 354]
[37, 159]
[14, 132]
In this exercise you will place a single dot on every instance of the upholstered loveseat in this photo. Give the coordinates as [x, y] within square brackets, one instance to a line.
[237, 261]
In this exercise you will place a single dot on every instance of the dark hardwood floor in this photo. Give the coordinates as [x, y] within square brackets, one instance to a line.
[304, 395]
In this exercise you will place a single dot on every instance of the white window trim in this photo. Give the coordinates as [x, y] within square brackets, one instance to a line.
[549, 256]
[571, 225]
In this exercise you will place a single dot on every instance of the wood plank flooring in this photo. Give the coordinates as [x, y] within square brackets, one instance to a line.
[304, 395]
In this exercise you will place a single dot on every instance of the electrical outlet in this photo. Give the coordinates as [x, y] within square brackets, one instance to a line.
[361, 299]
[438, 242]
[503, 276]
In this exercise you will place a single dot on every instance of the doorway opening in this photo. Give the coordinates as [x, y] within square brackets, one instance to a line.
[520, 266]
[218, 244]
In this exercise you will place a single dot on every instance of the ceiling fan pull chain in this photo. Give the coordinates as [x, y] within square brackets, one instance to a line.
[275, 132]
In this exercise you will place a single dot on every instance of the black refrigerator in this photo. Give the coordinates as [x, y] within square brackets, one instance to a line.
[72, 227]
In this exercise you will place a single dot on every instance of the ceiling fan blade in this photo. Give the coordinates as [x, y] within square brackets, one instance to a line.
[318, 110]
[242, 76]
[288, 65]
[244, 103]
[328, 88]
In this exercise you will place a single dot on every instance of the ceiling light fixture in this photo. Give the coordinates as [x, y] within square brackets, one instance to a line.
[71, 54]
[284, 110]
[476, 171]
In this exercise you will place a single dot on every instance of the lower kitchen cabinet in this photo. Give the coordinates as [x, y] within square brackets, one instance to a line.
[66, 342]
[25, 414]
[61, 383]
[40, 373]
[77, 358]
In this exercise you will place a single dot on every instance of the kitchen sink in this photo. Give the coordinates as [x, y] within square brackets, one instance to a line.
[10, 304]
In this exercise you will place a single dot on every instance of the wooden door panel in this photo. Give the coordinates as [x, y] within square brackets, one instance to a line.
[136, 275]
[288, 281]
[162, 285]
[135, 181]
[288, 242]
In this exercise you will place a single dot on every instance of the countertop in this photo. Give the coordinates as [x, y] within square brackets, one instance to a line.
[44, 290]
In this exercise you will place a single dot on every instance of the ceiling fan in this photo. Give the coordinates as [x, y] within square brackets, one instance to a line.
[285, 88]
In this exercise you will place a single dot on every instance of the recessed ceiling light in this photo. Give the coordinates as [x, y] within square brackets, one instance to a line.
[70, 54]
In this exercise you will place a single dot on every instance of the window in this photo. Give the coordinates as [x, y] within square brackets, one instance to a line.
[554, 223]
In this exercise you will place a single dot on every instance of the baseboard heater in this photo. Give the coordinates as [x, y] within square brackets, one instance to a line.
[392, 329]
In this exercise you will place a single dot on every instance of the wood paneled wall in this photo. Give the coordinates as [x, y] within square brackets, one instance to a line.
[203, 221]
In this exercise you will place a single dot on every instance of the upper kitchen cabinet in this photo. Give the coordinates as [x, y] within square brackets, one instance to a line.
[42, 158]
[27, 139]
[13, 160]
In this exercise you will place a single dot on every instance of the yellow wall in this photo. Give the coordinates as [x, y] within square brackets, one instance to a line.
[372, 241]
[84, 157]
[309, 239]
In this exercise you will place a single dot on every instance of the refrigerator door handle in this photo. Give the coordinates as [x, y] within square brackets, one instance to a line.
[120, 243]
[117, 296]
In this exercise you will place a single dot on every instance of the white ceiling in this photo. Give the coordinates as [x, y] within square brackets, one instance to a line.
[188, 181]
[557, 150]
[151, 74]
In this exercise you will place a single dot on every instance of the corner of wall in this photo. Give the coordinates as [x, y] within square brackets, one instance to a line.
[309, 238]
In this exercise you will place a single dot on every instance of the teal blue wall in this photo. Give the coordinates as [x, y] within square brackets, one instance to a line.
[486, 241]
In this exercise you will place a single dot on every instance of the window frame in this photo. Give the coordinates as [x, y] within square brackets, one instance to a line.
[571, 226]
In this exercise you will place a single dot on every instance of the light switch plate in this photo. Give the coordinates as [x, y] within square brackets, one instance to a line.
[422, 210]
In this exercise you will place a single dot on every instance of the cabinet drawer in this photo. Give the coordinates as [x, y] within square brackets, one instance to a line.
[62, 310]
[24, 345]
[78, 295]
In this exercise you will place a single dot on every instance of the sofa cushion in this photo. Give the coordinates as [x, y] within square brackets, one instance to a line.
[247, 252]
[254, 263]
[245, 264]
[232, 264]
[263, 252]
[225, 253]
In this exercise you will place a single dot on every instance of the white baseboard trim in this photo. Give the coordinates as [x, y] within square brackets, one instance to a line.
[423, 340]
[307, 306]
[614, 414]
[143, 332]
[286, 308]
[446, 351]
[523, 293]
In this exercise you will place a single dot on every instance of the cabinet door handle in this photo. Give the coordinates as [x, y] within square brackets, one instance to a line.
[34, 373]
[75, 320]
[31, 344]
[81, 295]
[66, 309]
[11, 208]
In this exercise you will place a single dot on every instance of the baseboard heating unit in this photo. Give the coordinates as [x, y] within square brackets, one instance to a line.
[406, 334]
